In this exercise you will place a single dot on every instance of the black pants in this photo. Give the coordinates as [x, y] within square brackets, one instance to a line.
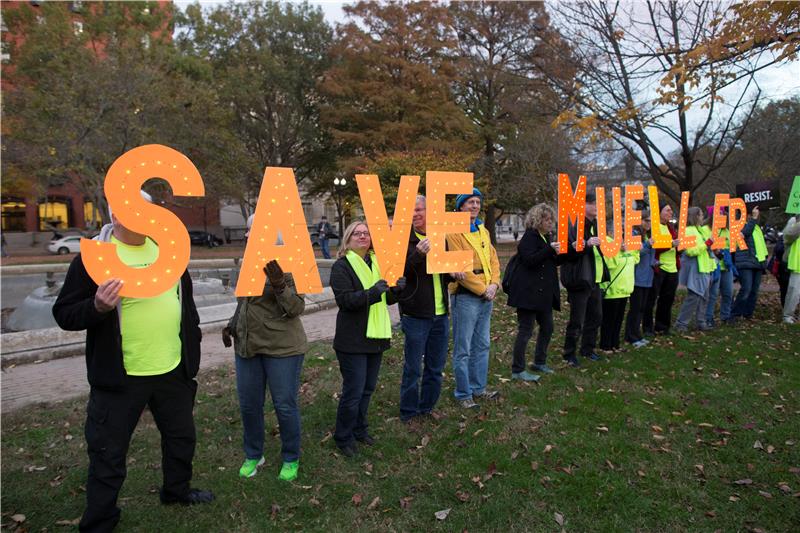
[663, 291]
[525, 319]
[111, 418]
[359, 379]
[585, 315]
[633, 324]
[613, 315]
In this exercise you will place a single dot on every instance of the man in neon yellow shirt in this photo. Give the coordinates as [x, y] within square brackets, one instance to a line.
[665, 280]
[139, 352]
[424, 318]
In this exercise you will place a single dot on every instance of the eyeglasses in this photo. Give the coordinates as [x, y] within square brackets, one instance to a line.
[360, 234]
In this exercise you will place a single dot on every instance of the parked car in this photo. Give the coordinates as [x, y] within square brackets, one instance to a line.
[203, 238]
[70, 244]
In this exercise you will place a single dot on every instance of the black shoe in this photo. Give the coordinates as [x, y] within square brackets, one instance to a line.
[194, 496]
[366, 440]
[349, 451]
[593, 357]
[572, 361]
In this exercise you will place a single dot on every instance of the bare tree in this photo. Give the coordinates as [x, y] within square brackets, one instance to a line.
[628, 91]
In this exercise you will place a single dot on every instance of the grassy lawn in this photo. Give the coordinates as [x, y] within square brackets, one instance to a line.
[691, 434]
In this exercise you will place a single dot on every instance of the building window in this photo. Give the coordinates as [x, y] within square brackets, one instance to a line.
[5, 57]
[53, 215]
[91, 216]
[13, 215]
[76, 6]
[146, 42]
[78, 26]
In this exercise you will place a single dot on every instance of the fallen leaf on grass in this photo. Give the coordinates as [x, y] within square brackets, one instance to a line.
[477, 432]
[603, 429]
[356, 499]
[441, 515]
[610, 465]
[746, 481]
[374, 503]
[711, 514]
[313, 501]
[757, 445]
[462, 496]
[733, 498]
[275, 510]
[765, 494]
[784, 487]
[18, 518]
[534, 466]
[770, 449]
[657, 429]
[548, 448]
[559, 518]
[641, 473]
[700, 470]
[490, 472]
[74, 522]
[405, 502]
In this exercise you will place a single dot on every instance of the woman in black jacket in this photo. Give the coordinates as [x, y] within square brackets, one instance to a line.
[363, 332]
[534, 290]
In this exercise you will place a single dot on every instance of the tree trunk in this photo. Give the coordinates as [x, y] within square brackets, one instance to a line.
[490, 223]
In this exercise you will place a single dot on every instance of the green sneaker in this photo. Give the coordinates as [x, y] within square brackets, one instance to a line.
[250, 467]
[289, 471]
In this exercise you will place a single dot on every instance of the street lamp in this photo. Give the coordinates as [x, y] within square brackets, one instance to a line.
[338, 186]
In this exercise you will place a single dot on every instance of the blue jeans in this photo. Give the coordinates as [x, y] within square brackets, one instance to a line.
[745, 304]
[724, 286]
[323, 243]
[282, 375]
[359, 379]
[426, 342]
[471, 320]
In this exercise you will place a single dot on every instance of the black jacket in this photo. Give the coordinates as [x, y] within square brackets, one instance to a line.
[74, 310]
[354, 302]
[534, 285]
[580, 265]
[746, 259]
[417, 298]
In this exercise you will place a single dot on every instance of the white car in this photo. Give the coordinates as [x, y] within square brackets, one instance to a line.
[65, 245]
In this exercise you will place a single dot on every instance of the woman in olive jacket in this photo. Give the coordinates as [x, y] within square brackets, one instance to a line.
[534, 290]
[270, 345]
[363, 332]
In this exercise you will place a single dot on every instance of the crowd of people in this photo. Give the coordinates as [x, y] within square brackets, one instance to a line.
[146, 351]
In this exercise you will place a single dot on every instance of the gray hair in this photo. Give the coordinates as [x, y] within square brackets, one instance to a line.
[537, 214]
[694, 217]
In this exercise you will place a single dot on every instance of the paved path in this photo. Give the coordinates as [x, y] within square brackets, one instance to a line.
[64, 379]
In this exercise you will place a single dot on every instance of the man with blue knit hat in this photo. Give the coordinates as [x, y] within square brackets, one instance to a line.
[471, 305]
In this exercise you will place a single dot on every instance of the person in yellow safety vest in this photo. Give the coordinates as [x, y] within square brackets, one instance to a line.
[751, 264]
[665, 280]
[791, 242]
[616, 292]
[722, 278]
[697, 264]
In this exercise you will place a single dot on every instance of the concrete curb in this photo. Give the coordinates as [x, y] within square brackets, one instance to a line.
[38, 346]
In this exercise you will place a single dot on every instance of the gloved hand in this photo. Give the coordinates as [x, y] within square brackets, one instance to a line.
[275, 275]
[379, 288]
[226, 337]
[401, 285]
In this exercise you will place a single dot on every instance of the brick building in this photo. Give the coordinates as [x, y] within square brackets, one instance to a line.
[65, 206]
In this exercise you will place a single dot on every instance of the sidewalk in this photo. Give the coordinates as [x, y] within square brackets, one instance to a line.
[64, 379]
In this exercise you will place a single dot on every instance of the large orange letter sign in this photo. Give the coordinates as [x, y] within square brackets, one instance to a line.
[122, 186]
[662, 240]
[718, 221]
[278, 211]
[571, 208]
[685, 241]
[390, 242]
[439, 223]
[609, 248]
[633, 217]
[737, 218]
